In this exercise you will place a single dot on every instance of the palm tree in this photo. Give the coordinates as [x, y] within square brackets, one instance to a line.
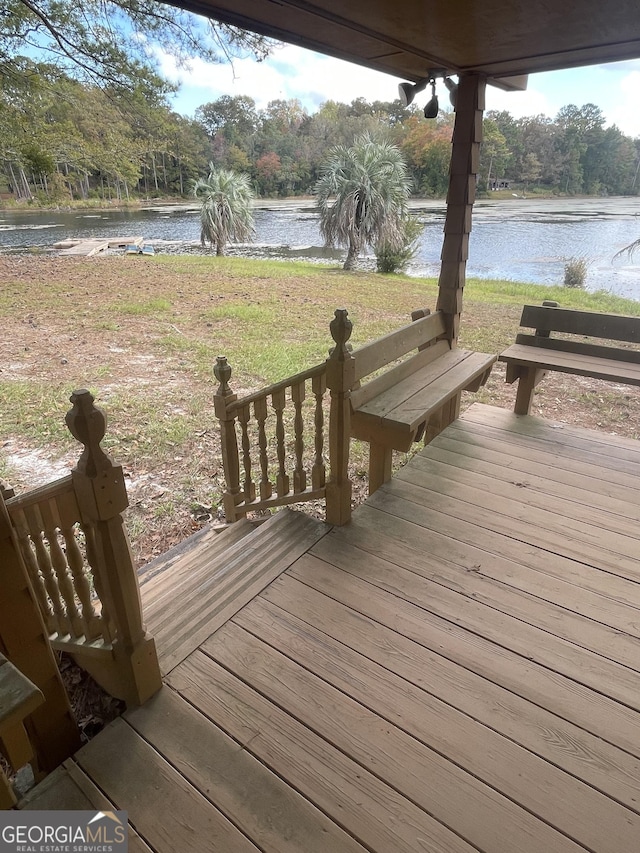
[226, 208]
[362, 195]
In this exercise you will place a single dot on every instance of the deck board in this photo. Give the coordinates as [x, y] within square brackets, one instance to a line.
[456, 670]
[535, 784]
[458, 799]
[586, 756]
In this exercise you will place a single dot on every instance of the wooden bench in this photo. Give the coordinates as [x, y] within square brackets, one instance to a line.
[18, 698]
[533, 355]
[414, 399]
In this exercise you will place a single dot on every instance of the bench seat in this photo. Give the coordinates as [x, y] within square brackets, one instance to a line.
[395, 415]
[416, 398]
[610, 369]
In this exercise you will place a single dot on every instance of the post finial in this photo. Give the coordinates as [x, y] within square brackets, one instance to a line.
[340, 328]
[222, 372]
[87, 424]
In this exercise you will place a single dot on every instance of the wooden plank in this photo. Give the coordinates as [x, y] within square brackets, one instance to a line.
[565, 585]
[616, 554]
[162, 576]
[556, 653]
[610, 642]
[458, 448]
[433, 396]
[57, 791]
[211, 597]
[396, 374]
[487, 818]
[570, 362]
[558, 798]
[68, 787]
[545, 430]
[360, 801]
[458, 539]
[168, 812]
[615, 327]
[18, 696]
[385, 403]
[585, 349]
[549, 511]
[576, 751]
[524, 676]
[276, 817]
[608, 471]
[383, 351]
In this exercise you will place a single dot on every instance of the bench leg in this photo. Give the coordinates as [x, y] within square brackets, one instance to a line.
[529, 378]
[7, 797]
[380, 458]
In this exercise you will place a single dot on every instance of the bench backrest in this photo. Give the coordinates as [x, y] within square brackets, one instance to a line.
[421, 336]
[586, 324]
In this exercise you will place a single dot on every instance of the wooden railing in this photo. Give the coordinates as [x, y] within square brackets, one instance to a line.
[284, 432]
[76, 551]
[60, 555]
[262, 468]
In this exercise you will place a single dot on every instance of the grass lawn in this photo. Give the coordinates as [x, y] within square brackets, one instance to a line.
[143, 333]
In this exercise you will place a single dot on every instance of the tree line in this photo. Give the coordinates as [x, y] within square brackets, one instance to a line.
[65, 139]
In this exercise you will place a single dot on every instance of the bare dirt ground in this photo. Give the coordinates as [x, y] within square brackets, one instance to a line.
[143, 338]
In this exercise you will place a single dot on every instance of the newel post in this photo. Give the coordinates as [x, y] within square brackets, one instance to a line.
[222, 399]
[340, 380]
[102, 497]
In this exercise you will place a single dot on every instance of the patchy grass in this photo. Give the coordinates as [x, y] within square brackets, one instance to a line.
[143, 337]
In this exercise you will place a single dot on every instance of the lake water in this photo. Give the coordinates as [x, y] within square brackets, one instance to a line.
[519, 240]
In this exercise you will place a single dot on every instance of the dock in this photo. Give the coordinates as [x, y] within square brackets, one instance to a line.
[95, 245]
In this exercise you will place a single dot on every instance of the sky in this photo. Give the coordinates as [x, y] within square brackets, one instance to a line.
[292, 72]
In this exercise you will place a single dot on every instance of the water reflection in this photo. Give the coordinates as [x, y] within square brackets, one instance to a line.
[518, 241]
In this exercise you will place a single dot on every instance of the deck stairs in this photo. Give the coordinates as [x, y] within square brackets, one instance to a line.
[187, 594]
[190, 591]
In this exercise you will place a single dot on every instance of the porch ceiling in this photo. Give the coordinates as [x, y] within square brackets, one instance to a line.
[406, 38]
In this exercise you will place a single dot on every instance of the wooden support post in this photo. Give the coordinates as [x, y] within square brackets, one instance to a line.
[24, 641]
[529, 378]
[380, 463]
[102, 497]
[224, 396]
[340, 380]
[465, 154]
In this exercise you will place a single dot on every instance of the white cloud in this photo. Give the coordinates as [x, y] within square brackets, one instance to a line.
[625, 113]
[291, 72]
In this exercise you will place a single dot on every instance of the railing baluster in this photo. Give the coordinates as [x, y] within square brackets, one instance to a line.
[282, 481]
[244, 415]
[106, 622]
[59, 563]
[318, 472]
[91, 626]
[34, 520]
[298, 392]
[260, 411]
[37, 581]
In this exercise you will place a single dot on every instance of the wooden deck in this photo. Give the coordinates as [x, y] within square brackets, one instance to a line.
[456, 670]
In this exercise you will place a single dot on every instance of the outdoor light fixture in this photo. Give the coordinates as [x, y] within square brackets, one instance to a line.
[408, 91]
[453, 90]
[431, 109]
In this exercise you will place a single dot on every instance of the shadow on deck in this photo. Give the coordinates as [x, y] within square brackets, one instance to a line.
[455, 670]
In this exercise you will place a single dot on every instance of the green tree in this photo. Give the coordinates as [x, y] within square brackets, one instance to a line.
[111, 41]
[362, 196]
[225, 214]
